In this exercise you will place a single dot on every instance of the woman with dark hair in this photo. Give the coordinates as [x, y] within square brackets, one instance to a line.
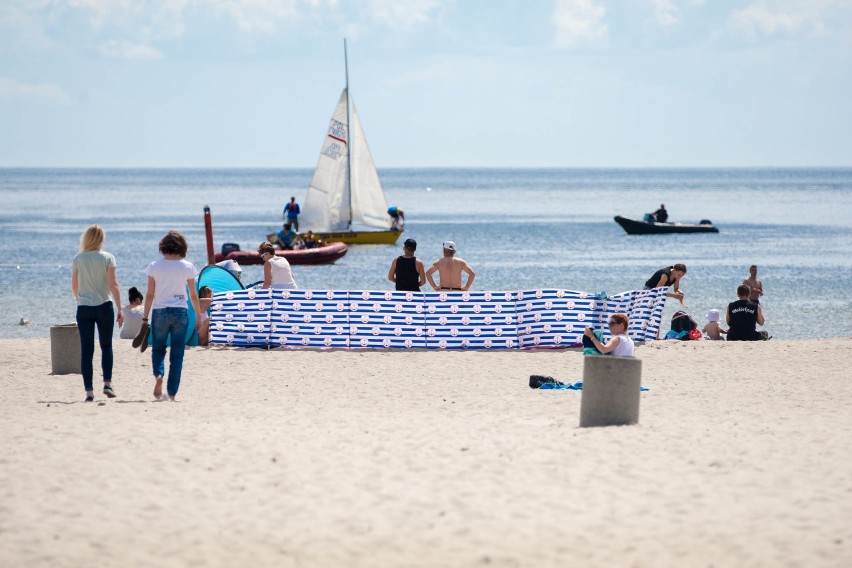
[666, 277]
[169, 278]
[93, 281]
[132, 315]
[276, 270]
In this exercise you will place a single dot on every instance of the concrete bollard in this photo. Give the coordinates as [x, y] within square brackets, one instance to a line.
[65, 349]
[611, 387]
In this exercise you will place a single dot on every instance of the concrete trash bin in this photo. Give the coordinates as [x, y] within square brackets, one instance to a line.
[65, 349]
[611, 387]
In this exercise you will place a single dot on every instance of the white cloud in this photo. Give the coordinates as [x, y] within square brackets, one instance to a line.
[120, 49]
[10, 89]
[665, 12]
[785, 17]
[403, 14]
[577, 21]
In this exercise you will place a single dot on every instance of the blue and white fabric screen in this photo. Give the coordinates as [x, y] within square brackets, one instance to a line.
[369, 319]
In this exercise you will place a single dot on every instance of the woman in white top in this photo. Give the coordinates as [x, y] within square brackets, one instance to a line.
[620, 343]
[132, 314]
[92, 282]
[169, 278]
[276, 270]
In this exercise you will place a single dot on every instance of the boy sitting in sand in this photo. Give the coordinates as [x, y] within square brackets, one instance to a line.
[713, 329]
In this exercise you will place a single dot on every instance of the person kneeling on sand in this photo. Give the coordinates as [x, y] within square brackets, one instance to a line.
[620, 343]
[713, 328]
[450, 270]
[132, 315]
[205, 298]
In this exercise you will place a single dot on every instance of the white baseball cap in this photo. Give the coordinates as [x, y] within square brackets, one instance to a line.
[450, 245]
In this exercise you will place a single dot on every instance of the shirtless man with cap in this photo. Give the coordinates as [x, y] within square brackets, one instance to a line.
[450, 270]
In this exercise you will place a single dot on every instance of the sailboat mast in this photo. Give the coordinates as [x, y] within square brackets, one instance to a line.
[348, 133]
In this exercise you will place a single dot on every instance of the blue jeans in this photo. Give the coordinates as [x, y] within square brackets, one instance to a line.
[169, 324]
[89, 317]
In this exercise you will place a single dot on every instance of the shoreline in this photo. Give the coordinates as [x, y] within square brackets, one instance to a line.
[361, 458]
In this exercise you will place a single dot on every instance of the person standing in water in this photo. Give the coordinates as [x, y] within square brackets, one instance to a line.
[754, 283]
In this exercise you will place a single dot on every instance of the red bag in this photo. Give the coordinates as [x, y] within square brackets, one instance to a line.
[694, 334]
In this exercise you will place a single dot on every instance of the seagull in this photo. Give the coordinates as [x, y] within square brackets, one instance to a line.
[24, 321]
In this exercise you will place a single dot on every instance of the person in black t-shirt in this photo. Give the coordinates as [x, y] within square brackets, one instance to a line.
[742, 317]
[407, 271]
[669, 276]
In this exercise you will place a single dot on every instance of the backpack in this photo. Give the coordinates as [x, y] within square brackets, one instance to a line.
[682, 321]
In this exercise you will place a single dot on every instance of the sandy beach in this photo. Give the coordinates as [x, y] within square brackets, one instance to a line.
[309, 458]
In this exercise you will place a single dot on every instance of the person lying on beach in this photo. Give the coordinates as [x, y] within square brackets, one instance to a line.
[450, 270]
[713, 329]
[620, 343]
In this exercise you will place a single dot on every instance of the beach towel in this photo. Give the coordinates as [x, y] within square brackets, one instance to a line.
[578, 386]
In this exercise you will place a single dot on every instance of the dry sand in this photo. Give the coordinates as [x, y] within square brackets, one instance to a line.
[301, 458]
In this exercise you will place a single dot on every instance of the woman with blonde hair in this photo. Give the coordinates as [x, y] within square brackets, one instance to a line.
[92, 282]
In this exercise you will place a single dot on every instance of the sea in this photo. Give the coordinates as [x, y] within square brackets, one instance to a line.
[520, 229]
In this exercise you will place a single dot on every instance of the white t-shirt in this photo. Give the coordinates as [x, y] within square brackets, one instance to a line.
[624, 347]
[282, 275]
[132, 322]
[170, 278]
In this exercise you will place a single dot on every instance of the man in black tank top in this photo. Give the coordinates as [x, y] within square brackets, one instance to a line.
[742, 317]
[407, 270]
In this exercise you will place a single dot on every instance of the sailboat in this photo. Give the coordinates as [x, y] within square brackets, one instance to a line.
[345, 201]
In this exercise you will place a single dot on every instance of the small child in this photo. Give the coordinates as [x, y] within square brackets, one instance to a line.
[713, 329]
[205, 298]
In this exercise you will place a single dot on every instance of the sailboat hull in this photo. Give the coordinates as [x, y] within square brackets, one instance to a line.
[361, 237]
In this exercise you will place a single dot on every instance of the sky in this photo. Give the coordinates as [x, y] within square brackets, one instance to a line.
[437, 83]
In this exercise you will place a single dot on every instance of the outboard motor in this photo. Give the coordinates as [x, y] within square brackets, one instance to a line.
[228, 248]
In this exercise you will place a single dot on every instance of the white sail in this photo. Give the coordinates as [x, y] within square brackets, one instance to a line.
[326, 206]
[369, 205]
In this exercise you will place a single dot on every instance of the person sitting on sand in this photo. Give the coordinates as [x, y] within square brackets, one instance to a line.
[742, 317]
[450, 270]
[132, 314]
[205, 298]
[669, 276]
[276, 269]
[713, 329]
[620, 344]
